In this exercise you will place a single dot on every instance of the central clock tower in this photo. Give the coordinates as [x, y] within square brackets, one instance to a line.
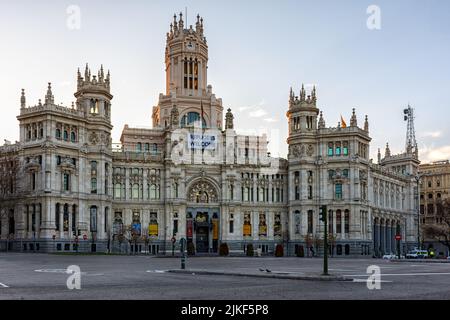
[187, 91]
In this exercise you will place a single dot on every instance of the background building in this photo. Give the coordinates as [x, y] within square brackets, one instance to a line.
[434, 187]
[193, 176]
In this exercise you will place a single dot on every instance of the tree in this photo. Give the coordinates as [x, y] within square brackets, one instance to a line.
[309, 242]
[440, 231]
[331, 242]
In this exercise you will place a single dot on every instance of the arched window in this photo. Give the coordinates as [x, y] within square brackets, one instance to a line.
[66, 218]
[338, 221]
[310, 221]
[347, 249]
[154, 191]
[93, 219]
[57, 212]
[117, 191]
[297, 219]
[347, 221]
[139, 147]
[58, 134]
[154, 148]
[190, 119]
[73, 137]
[94, 185]
[66, 135]
[147, 147]
[135, 191]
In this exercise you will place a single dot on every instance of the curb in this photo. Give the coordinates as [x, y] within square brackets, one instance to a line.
[263, 275]
[419, 261]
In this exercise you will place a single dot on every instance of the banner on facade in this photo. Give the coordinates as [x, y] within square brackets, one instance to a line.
[215, 229]
[153, 230]
[263, 230]
[247, 230]
[189, 228]
[202, 141]
[136, 228]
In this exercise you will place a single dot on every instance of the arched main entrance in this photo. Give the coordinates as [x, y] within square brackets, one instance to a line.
[202, 217]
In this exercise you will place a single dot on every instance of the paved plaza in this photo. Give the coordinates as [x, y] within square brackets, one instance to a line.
[42, 276]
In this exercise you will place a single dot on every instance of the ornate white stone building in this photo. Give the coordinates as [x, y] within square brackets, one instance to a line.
[191, 176]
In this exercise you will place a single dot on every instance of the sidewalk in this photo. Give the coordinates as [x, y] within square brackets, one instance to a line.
[263, 274]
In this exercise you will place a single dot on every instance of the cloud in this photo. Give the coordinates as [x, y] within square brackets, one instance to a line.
[434, 154]
[259, 105]
[432, 134]
[270, 120]
[258, 113]
[64, 83]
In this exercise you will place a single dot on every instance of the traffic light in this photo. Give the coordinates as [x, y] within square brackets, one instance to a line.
[322, 213]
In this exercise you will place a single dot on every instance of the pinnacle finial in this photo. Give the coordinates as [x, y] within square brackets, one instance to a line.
[353, 120]
[49, 99]
[366, 124]
[23, 99]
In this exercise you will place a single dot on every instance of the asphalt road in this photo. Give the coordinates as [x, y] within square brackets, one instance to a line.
[42, 276]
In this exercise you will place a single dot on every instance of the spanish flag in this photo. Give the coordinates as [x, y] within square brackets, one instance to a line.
[343, 124]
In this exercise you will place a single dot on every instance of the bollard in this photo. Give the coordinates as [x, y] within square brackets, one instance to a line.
[183, 253]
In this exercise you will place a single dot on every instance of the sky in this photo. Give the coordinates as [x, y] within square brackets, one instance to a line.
[376, 63]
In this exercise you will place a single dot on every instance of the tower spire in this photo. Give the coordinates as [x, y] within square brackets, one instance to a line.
[49, 99]
[321, 124]
[366, 124]
[302, 93]
[387, 152]
[353, 120]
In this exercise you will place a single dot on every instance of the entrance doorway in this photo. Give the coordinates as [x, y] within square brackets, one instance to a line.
[202, 239]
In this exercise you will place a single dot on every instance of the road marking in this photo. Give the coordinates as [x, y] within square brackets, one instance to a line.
[4, 285]
[156, 271]
[371, 281]
[402, 274]
[65, 272]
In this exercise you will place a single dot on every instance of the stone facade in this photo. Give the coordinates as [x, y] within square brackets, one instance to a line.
[434, 186]
[191, 177]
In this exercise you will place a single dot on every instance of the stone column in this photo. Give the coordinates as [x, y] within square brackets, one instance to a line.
[61, 221]
[38, 221]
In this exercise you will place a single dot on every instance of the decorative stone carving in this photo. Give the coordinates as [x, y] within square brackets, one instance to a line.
[202, 192]
[93, 138]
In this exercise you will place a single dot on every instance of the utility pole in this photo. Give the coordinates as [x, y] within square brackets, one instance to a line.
[323, 214]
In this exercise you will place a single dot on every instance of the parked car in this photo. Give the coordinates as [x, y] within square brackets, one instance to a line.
[389, 256]
[417, 254]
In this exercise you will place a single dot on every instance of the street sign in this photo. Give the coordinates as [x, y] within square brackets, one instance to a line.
[398, 237]
[84, 237]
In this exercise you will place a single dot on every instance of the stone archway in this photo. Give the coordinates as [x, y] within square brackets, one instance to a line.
[202, 192]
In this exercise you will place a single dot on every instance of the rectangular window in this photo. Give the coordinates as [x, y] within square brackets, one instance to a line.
[338, 221]
[66, 182]
[297, 193]
[231, 229]
[33, 181]
[338, 148]
[347, 221]
[345, 148]
[338, 191]
[310, 221]
[310, 192]
[330, 149]
[175, 226]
